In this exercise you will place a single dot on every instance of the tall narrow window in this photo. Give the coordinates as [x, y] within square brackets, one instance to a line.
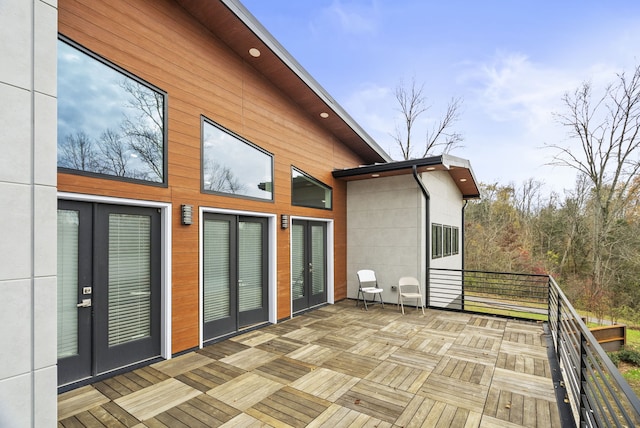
[67, 283]
[436, 241]
[110, 123]
[446, 240]
[306, 191]
[234, 166]
[454, 240]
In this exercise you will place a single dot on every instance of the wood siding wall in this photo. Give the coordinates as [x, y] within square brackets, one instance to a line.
[162, 44]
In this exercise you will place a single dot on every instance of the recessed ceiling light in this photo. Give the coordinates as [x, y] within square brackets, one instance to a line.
[324, 115]
[463, 179]
[254, 52]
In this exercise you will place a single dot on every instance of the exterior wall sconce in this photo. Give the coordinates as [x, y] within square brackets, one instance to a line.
[186, 212]
[284, 221]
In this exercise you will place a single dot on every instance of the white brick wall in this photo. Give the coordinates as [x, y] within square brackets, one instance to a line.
[28, 380]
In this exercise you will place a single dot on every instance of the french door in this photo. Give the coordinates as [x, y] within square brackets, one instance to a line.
[108, 288]
[308, 264]
[235, 273]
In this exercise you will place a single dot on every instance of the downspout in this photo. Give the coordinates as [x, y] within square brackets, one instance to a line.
[427, 229]
[462, 252]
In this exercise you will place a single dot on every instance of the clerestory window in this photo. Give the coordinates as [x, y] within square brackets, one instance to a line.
[306, 191]
[232, 165]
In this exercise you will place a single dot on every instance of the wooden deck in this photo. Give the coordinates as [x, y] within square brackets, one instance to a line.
[339, 366]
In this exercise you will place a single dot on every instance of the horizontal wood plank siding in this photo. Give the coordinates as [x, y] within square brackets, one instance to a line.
[161, 43]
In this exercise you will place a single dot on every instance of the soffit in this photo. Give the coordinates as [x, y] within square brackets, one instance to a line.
[458, 169]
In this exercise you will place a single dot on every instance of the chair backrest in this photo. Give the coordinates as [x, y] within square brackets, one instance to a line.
[410, 283]
[366, 276]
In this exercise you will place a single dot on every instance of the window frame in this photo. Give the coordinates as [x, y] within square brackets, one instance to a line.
[436, 241]
[165, 120]
[446, 240]
[206, 121]
[317, 183]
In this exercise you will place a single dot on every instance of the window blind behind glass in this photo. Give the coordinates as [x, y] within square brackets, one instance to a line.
[216, 270]
[249, 266]
[68, 226]
[297, 261]
[129, 278]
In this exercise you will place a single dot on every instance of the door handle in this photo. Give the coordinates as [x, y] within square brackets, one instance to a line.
[86, 303]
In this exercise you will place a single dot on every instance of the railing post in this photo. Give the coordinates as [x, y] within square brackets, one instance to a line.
[558, 327]
[462, 297]
[583, 381]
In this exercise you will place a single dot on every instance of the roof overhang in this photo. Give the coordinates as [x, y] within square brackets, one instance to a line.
[232, 23]
[459, 169]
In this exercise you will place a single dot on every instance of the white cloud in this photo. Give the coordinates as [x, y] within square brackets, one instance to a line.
[351, 17]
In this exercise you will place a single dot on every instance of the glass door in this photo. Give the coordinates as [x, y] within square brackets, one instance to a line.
[235, 280]
[108, 288]
[309, 264]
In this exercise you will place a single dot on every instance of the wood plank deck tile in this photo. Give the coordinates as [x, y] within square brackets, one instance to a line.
[289, 406]
[376, 400]
[182, 364]
[306, 334]
[254, 338]
[213, 408]
[314, 354]
[157, 398]
[77, 401]
[398, 376]
[447, 390]
[403, 329]
[281, 345]
[476, 373]
[338, 416]
[211, 375]
[357, 332]
[372, 348]
[244, 420]
[429, 344]
[285, 370]
[245, 391]
[474, 355]
[152, 375]
[351, 364]
[337, 341]
[523, 383]
[219, 350]
[523, 364]
[110, 412]
[416, 359]
[325, 384]
[249, 359]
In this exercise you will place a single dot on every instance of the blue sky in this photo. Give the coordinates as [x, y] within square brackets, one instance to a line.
[510, 61]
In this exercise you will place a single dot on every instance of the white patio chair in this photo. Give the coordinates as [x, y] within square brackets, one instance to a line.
[409, 288]
[368, 284]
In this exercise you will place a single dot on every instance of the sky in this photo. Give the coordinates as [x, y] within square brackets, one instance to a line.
[510, 61]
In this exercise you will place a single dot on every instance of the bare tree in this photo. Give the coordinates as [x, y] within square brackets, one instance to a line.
[607, 131]
[114, 153]
[145, 131]
[77, 151]
[411, 104]
[220, 178]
